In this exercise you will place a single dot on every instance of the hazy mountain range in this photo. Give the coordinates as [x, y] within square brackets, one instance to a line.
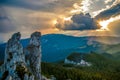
[56, 47]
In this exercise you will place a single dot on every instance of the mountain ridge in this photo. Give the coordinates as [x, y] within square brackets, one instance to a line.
[60, 46]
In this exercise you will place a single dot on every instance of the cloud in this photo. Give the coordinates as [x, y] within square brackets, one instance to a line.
[78, 22]
[115, 27]
[111, 12]
[35, 14]
[28, 4]
[30, 19]
[107, 1]
[85, 22]
[99, 6]
[6, 25]
[83, 7]
[42, 5]
[111, 15]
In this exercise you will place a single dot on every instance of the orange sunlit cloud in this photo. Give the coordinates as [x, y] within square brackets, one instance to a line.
[48, 31]
[83, 7]
[105, 23]
[54, 22]
[67, 18]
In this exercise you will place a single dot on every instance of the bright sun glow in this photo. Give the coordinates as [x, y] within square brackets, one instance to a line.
[105, 23]
[54, 22]
[64, 18]
[68, 18]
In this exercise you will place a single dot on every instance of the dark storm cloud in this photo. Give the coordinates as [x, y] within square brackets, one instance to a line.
[79, 22]
[5, 23]
[111, 12]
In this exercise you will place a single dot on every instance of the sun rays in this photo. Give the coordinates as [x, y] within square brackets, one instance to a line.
[105, 23]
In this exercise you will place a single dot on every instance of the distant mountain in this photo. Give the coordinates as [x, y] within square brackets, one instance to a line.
[56, 47]
[94, 58]
[113, 49]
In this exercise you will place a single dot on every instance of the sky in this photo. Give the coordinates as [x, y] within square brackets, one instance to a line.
[70, 17]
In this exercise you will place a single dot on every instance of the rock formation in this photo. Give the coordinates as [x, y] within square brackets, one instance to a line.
[79, 63]
[14, 57]
[16, 65]
[33, 56]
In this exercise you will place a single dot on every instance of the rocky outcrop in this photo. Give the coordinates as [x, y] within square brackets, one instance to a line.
[16, 66]
[79, 63]
[14, 56]
[33, 56]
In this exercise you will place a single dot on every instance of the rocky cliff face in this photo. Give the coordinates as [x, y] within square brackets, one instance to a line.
[22, 64]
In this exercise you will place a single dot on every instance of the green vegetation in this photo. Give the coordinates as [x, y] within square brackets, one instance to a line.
[103, 68]
[81, 73]
[21, 71]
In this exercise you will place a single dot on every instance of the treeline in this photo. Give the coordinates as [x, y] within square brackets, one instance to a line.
[73, 73]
